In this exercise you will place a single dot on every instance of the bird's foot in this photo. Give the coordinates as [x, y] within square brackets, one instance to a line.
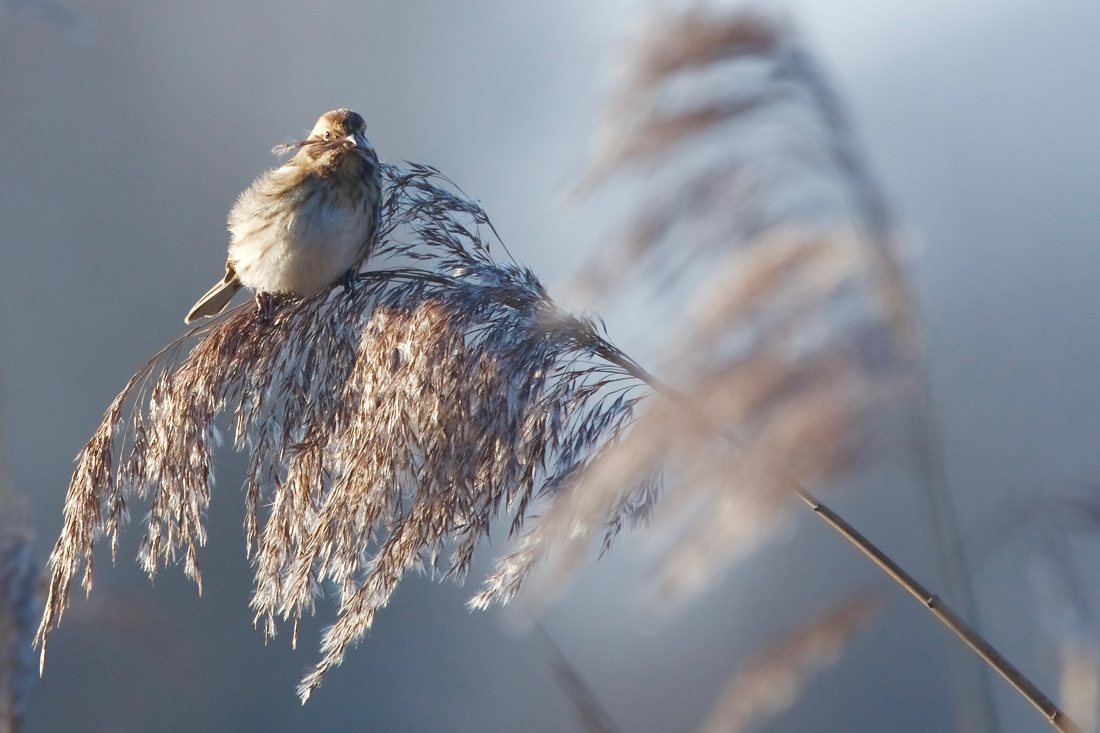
[265, 306]
[348, 280]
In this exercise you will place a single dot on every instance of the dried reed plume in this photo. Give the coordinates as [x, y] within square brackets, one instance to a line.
[387, 426]
[771, 681]
[781, 322]
[768, 684]
[20, 603]
[760, 242]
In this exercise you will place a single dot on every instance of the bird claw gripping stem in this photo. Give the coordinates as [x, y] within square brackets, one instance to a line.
[348, 279]
[265, 305]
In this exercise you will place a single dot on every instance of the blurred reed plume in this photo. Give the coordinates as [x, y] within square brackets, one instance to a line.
[388, 424]
[769, 298]
[21, 591]
[767, 684]
[771, 681]
[20, 605]
[756, 237]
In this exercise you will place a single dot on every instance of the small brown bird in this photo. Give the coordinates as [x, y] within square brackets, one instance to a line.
[300, 228]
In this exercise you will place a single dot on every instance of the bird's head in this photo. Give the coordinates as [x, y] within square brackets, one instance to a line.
[338, 131]
[341, 126]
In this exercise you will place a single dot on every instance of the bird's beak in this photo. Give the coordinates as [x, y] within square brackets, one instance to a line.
[351, 139]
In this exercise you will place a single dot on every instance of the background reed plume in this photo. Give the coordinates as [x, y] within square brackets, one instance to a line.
[772, 301]
[21, 586]
[773, 679]
[768, 262]
[20, 604]
[767, 684]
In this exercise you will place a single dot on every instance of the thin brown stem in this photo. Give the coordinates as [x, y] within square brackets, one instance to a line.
[939, 609]
[975, 696]
[944, 613]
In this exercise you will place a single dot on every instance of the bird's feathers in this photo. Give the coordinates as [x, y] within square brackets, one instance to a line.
[297, 230]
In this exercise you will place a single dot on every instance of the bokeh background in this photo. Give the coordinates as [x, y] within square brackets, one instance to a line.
[127, 129]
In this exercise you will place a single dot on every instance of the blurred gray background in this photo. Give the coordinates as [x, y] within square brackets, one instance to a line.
[127, 134]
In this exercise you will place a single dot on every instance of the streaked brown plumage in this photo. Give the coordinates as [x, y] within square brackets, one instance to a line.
[300, 227]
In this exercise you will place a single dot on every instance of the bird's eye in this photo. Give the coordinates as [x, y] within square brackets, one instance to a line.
[328, 135]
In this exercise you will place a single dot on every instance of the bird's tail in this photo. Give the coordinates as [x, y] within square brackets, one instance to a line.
[216, 298]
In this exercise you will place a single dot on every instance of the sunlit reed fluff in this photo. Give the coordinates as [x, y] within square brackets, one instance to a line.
[771, 681]
[769, 302]
[764, 686]
[20, 604]
[387, 425]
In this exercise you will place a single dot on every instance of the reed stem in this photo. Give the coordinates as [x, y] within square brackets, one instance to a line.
[939, 609]
[943, 612]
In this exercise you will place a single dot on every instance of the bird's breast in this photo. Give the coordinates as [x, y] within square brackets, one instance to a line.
[296, 232]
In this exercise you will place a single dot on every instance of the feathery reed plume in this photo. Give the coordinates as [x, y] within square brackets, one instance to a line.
[20, 603]
[779, 320]
[768, 684]
[754, 206]
[388, 424]
[773, 679]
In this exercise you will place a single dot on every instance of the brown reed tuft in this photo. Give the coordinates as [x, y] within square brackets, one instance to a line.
[771, 681]
[768, 249]
[387, 425]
